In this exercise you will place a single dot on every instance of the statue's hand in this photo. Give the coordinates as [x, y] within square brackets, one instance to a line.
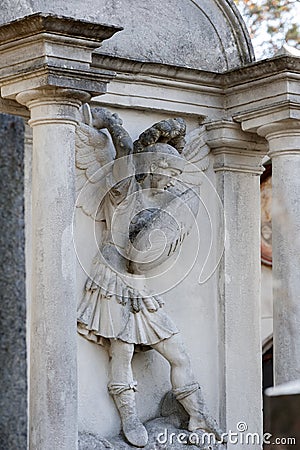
[135, 301]
[153, 303]
[103, 118]
[91, 285]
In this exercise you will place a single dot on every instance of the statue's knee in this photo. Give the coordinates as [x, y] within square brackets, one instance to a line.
[121, 350]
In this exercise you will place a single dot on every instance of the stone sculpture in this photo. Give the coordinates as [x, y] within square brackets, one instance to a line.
[134, 189]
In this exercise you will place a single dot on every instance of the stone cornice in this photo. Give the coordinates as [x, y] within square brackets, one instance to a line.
[257, 86]
[149, 69]
[42, 50]
[260, 70]
[12, 107]
[48, 50]
[268, 91]
[161, 87]
[253, 72]
[42, 75]
[255, 118]
[235, 150]
[38, 23]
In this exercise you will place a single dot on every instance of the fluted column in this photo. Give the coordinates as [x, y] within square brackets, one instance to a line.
[284, 149]
[53, 352]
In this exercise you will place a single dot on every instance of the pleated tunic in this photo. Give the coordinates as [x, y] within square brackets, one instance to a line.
[113, 305]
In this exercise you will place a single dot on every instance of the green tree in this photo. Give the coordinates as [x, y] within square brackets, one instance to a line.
[270, 23]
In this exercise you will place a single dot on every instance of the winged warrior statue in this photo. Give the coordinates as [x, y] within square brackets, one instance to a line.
[134, 189]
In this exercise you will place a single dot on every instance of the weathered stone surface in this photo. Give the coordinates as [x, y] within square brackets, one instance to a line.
[45, 23]
[13, 370]
[163, 435]
[88, 441]
[172, 32]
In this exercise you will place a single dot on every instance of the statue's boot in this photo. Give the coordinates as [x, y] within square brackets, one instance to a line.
[133, 429]
[191, 399]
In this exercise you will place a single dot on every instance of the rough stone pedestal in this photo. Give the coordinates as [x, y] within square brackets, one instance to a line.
[282, 405]
[168, 432]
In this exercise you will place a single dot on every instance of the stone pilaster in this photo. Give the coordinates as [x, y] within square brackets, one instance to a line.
[237, 163]
[284, 148]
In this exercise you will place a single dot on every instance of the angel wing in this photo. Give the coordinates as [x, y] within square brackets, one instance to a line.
[196, 153]
[187, 191]
[94, 158]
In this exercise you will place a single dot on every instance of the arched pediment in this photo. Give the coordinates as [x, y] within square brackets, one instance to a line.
[201, 34]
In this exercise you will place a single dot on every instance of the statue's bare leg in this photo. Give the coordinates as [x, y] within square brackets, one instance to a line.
[185, 388]
[122, 387]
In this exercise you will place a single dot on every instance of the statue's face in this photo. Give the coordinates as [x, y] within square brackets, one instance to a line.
[165, 179]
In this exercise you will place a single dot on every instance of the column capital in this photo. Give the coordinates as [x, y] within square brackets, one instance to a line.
[52, 105]
[234, 149]
[43, 50]
[283, 137]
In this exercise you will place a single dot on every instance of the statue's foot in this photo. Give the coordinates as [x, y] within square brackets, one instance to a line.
[206, 424]
[135, 432]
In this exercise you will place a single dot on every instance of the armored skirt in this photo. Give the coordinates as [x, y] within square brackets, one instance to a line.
[113, 309]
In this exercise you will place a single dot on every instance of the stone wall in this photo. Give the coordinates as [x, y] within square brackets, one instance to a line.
[13, 368]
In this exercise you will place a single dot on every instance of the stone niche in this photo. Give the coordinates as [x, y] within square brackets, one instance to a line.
[193, 308]
[173, 33]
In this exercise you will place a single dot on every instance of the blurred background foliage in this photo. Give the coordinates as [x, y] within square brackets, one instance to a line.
[271, 23]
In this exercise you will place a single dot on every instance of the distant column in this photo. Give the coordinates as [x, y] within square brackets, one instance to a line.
[284, 149]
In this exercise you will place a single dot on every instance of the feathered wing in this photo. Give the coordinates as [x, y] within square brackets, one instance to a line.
[185, 203]
[94, 158]
[196, 153]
